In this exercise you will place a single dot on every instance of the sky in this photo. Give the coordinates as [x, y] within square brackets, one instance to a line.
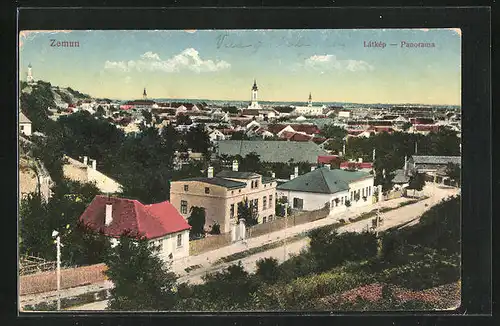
[333, 65]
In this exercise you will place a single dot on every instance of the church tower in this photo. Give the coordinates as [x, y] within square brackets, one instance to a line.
[29, 78]
[310, 101]
[144, 95]
[254, 94]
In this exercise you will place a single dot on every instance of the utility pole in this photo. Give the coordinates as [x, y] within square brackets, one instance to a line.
[285, 253]
[58, 270]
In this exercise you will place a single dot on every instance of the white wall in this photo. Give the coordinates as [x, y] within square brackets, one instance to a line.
[26, 128]
[169, 245]
[312, 201]
[360, 185]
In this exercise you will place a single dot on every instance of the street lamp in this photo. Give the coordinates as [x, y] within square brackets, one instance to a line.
[55, 234]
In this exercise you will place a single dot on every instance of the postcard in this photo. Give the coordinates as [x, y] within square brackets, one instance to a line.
[240, 170]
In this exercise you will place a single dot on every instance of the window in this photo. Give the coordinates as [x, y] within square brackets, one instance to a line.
[232, 192]
[342, 201]
[207, 190]
[186, 187]
[264, 219]
[256, 204]
[369, 191]
[264, 202]
[184, 207]
[160, 244]
[22, 128]
[239, 190]
[298, 203]
[270, 201]
[179, 240]
[251, 186]
[352, 195]
[270, 218]
[363, 192]
[256, 183]
[231, 211]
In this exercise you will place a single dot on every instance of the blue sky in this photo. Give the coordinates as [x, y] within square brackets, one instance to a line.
[334, 65]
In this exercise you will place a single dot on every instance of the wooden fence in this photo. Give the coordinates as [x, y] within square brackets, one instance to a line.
[213, 242]
[70, 277]
[295, 218]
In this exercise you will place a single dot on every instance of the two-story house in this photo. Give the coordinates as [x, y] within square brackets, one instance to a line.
[219, 195]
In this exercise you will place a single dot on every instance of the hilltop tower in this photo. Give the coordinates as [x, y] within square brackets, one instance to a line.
[144, 94]
[29, 78]
[310, 101]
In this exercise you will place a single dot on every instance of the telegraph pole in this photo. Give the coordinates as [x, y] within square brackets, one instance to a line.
[285, 253]
[58, 245]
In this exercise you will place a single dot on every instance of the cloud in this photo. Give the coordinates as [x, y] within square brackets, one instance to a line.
[128, 80]
[330, 62]
[189, 59]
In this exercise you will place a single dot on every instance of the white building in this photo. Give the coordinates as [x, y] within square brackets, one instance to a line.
[309, 109]
[323, 186]
[216, 135]
[29, 78]
[24, 124]
[161, 224]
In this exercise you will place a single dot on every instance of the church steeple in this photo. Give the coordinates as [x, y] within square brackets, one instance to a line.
[309, 102]
[29, 77]
[144, 94]
[255, 89]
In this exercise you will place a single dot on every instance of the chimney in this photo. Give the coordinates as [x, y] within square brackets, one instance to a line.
[85, 160]
[109, 214]
[235, 165]
[360, 160]
[94, 165]
[313, 168]
[210, 172]
[296, 171]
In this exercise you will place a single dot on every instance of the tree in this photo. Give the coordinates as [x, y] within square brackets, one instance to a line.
[197, 221]
[417, 182]
[251, 163]
[100, 112]
[453, 171]
[182, 119]
[406, 126]
[334, 132]
[215, 229]
[247, 212]
[148, 117]
[239, 135]
[142, 281]
[268, 270]
[197, 139]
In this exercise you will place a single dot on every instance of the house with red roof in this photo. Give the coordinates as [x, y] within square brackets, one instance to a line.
[159, 223]
[359, 166]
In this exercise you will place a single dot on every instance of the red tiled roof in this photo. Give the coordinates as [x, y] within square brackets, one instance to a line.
[421, 121]
[308, 129]
[318, 140]
[381, 129]
[358, 165]
[326, 159]
[287, 134]
[276, 128]
[151, 221]
[300, 137]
